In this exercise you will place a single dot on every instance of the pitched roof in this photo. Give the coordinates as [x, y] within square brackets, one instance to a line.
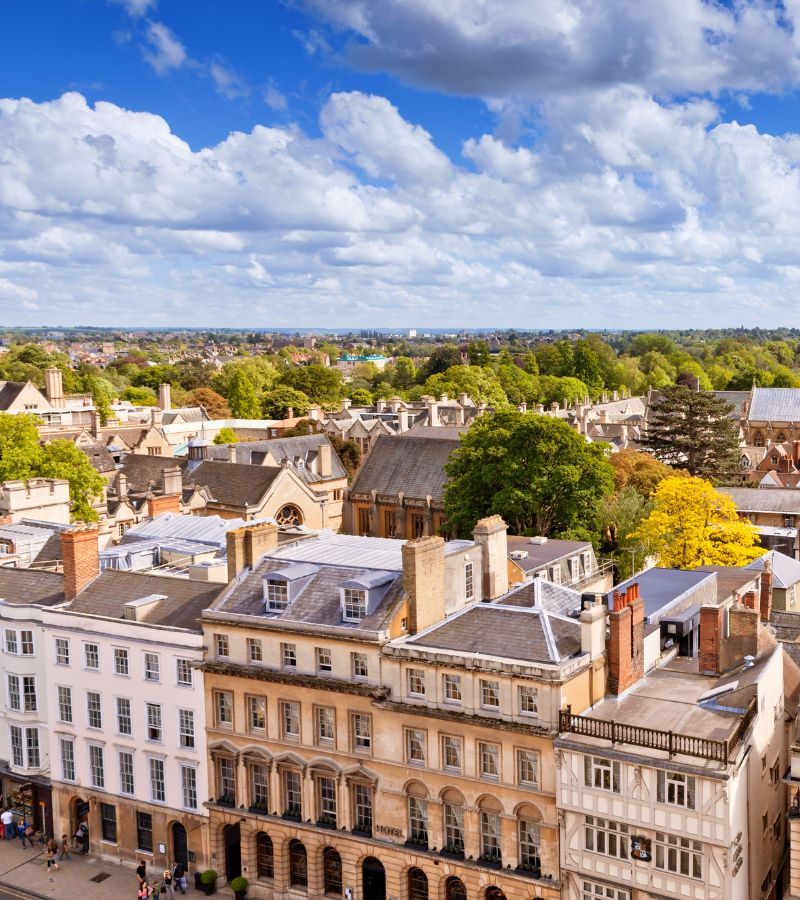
[99, 457]
[785, 570]
[235, 484]
[144, 472]
[304, 447]
[775, 405]
[396, 465]
[775, 500]
[30, 586]
[9, 391]
[539, 554]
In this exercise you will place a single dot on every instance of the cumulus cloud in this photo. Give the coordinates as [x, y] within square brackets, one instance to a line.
[163, 51]
[227, 81]
[626, 211]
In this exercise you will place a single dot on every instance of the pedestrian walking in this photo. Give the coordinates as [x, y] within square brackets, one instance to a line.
[52, 848]
[64, 848]
[24, 833]
[144, 892]
[179, 877]
[167, 884]
[7, 818]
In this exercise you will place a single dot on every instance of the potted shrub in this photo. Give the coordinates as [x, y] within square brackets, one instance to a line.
[208, 882]
[239, 887]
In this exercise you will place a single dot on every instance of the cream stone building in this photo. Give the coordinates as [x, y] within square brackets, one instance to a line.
[381, 716]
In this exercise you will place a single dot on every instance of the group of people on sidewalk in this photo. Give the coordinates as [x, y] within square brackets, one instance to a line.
[27, 834]
[171, 879]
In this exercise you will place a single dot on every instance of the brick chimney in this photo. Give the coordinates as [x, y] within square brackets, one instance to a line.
[235, 539]
[423, 580]
[492, 534]
[258, 540]
[54, 387]
[325, 460]
[164, 397]
[750, 600]
[80, 552]
[625, 640]
[711, 636]
[162, 504]
[766, 590]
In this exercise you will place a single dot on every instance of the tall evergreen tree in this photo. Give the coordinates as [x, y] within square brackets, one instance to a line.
[242, 398]
[693, 430]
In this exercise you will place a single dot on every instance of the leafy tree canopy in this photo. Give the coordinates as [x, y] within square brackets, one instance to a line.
[226, 435]
[641, 471]
[212, 402]
[277, 403]
[140, 396]
[481, 384]
[320, 385]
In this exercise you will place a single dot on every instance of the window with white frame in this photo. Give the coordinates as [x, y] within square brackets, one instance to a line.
[97, 775]
[290, 719]
[489, 760]
[32, 747]
[29, 701]
[259, 781]
[14, 693]
[292, 793]
[469, 581]
[152, 667]
[226, 783]
[17, 746]
[62, 652]
[606, 837]
[326, 800]
[324, 725]
[574, 568]
[680, 855]
[277, 595]
[587, 563]
[67, 749]
[26, 642]
[528, 700]
[126, 782]
[418, 820]
[189, 787]
[675, 788]
[601, 773]
[121, 661]
[361, 730]
[362, 808]
[529, 844]
[223, 709]
[555, 574]
[124, 718]
[416, 682]
[355, 605]
[454, 827]
[451, 753]
[415, 746]
[94, 712]
[186, 737]
[222, 645]
[257, 714]
[324, 659]
[490, 694]
[452, 688]
[155, 728]
[597, 890]
[255, 653]
[359, 665]
[490, 835]
[91, 656]
[158, 791]
[183, 672]
[289, 656]
[65, 704]
[12, 645]
[528, 767]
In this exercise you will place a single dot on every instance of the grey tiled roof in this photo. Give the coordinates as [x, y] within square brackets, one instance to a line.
[305, 447]
[532, 635]
[236, 484]
[777, 500]
[413, 466]
[552, 597]
[99, 457]
[737, 399]
[541, 554]
[785, 570]
[8, 392]
[30, 586]
[144, 472]
[775, 405]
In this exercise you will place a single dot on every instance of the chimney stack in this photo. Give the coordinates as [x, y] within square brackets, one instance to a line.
[346, 404]
[402, 420]
[259, 540]
[122, 486]
[163, 503]
[492, 534]
[711, 635]
[325, 459]
[766, 590]
[423, 580]
[593, 630]
[80, 551]
[235, 540]
[625, 640]
[96, 425]
[172, 479]
[164, 397]
[54, 387]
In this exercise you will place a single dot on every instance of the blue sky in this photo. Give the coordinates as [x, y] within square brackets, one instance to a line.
[347, 163]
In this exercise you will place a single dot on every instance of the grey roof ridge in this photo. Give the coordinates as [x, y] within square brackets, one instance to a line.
[549, 638]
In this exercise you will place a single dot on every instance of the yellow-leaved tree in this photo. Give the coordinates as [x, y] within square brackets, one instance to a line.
[693, 525]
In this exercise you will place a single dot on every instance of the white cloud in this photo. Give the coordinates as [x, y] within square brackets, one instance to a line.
[626, 211]
[228, 82]
[163, 51]
[136, 7]
[274, 98]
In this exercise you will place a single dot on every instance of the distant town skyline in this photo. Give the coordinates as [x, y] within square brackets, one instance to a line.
[337, 163]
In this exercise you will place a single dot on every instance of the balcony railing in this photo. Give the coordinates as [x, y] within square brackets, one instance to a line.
[603, 568]
[670, 742]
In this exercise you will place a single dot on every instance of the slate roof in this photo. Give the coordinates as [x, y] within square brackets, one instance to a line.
[737, 399]
[305, 447]
[774, 500]
[236, 484]
[29, 586]
[541, 554]
[775, 405]
[396, 466]
[785, 570]
[9, 391]
[111, 590]
[144, 472]
[551, 597]
[442, 432]
[532, 635]
[99, 457]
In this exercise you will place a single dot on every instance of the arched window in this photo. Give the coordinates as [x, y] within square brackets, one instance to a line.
[265, 859]
[454, 889]
[494, 893]
[781, 438]
[417, 814]
[332, 871]
[758, 439]
[453, 809]
[528, 819]
[745, 463]
[289, 515]
[298, 865]
[490, 830]
[417, 885]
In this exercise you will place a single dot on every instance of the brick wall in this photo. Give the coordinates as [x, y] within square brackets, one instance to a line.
[81, 555]
[164, 503]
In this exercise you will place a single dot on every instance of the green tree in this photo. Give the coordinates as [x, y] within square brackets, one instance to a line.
[586, 367]
[361, 397]
[226, 435]
[20, 453]
[482, 385]
[534, 471]
[213, 403]
[693, 430]
[261, 371]
[478, 353]
[348, 452]
[620, 514]
[242, 398]
[442, 359]
[320, 385]
[563, 391]
[404, 373]
[140, 396]
[277, 403]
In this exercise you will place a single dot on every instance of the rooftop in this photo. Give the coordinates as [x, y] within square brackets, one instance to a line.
[785, 570]
[662, 588]
[777, 500]
[29, 586]
[540, 554]
[775, 405]
[394, 466]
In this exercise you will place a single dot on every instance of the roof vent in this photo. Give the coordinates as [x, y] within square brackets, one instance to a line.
[518, 554]
[748, 662]
[539, 539]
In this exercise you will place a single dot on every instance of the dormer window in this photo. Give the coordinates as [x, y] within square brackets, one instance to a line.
[277, 595]
[355, 605]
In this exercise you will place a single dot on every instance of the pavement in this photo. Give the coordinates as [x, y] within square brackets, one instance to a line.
[23, 874]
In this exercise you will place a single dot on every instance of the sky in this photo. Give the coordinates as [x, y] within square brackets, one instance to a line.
[403, 163]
